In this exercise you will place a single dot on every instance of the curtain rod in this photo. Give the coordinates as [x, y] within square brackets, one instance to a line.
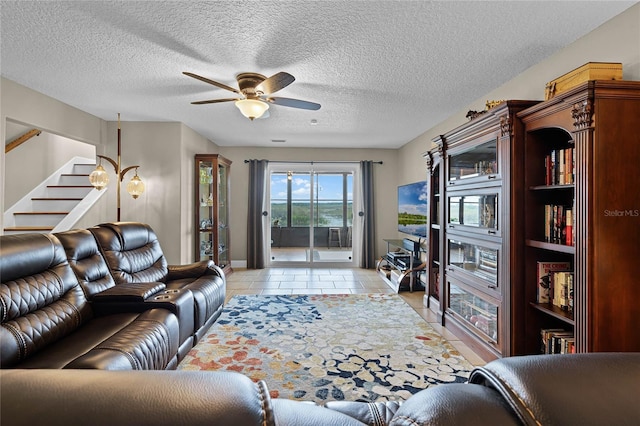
[314, 162]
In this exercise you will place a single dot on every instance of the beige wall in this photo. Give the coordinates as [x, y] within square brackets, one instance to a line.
[617, 40]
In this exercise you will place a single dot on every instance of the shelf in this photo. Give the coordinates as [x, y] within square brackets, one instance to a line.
[551, 187]
[552, 247]
[554, 311]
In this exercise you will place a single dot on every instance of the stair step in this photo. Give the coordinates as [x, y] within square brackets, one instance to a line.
[55, 199]
[54, 203]
[67, 191]
[73, 179]
[44, 219]
[69, 186]
[27, 229]
[35, 213]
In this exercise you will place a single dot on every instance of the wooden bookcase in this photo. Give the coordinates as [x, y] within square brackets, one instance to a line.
[599, 121]
[475, 228]
[212, 239]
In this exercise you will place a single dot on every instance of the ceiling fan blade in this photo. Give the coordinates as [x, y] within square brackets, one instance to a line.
[214, 101]
[276, 82]
[294, 103]
[215, 83]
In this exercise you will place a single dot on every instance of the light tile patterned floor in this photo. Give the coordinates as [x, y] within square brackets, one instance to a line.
[334, 281]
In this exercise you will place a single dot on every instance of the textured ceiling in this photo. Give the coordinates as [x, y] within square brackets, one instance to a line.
[383, 71]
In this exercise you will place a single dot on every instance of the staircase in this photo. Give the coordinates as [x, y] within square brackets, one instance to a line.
[57, 203]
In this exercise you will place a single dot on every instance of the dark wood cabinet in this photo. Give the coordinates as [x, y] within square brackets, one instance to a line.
[597, 123]
[212, 216]
[475, 242]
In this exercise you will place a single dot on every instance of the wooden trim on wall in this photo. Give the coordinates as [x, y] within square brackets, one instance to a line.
[21, 139]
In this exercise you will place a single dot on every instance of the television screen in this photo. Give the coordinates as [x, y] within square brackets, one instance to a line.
[412, 209]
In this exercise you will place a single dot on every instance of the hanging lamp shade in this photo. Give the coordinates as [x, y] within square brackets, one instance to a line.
[99, 178]
[135, 187]
[252, 108]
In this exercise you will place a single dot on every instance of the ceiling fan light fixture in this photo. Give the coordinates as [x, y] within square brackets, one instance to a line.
[252, 108]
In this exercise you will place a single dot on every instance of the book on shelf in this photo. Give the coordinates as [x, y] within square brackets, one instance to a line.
[545, 279]
[557, 341]
[560, 167]
[562, 284]
[558, 224]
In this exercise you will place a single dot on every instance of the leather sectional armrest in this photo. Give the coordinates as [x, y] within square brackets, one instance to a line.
[194, 270]
[134, 292]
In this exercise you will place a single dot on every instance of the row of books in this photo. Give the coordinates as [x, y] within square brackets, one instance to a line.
[555, 284]
[560, 167]
[557, 341]
[558, 224]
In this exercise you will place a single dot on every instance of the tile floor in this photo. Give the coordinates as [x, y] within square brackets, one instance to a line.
[334, 281]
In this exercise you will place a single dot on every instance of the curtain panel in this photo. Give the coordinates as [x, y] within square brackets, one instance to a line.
[255, 231]
[367, 214]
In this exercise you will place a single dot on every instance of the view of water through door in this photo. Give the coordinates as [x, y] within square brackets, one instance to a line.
[311, 215]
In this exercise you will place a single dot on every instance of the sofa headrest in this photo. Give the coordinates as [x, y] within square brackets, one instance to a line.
[132, 235]
[132, 252]
[86, 260]
[23, 255]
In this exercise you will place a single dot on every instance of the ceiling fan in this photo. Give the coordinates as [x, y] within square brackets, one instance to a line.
[255, 90]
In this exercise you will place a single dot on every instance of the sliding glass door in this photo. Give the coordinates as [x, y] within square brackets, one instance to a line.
[311, 214]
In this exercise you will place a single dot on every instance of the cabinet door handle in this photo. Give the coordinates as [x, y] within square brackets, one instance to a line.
[492, 232]
[492, 176]
[451, 226]
[492, 287]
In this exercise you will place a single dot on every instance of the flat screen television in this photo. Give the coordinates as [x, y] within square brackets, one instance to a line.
[412, 209]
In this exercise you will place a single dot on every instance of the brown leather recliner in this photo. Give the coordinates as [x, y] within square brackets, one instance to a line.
[87, 263]
[47, 321]
[577, 389]
[133, 254]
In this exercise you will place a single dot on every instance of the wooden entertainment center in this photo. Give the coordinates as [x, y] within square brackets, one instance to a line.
[496, 213]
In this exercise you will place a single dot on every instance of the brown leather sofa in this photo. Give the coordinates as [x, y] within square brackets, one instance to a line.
[133, 254]
[114, 282]
[47, 321]
[578, 389]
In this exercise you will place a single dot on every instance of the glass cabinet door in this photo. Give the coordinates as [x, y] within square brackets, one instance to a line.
[474, 210]
[223, 217]
[477, 259]
[482, 160]
[478, 313]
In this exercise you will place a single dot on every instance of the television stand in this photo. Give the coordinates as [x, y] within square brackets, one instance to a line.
[399, 267]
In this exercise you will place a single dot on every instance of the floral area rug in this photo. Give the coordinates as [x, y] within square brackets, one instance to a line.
[369, 347]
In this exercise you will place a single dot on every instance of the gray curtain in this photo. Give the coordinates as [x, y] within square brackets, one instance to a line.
[368, 259]
[255, 240]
